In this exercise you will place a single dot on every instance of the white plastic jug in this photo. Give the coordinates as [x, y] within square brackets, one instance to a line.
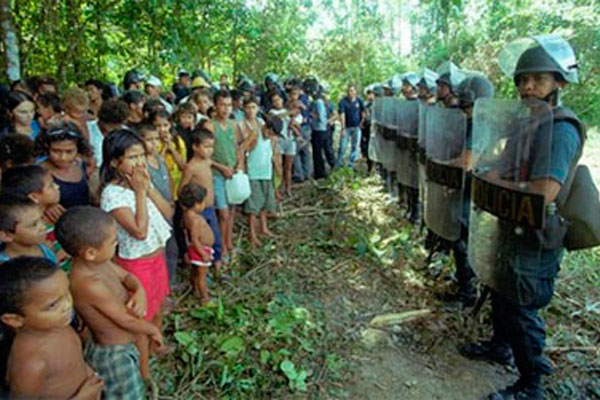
[237, 188]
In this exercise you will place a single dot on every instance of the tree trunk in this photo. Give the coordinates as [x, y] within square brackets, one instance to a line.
[9, 42]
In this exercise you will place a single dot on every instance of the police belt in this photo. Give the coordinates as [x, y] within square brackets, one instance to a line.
[523, 209]
[407, 143]
[421, 153]
[446, 175]
[388, 133]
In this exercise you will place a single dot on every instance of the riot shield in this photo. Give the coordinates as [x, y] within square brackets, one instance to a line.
[445, 130]
[375, 138]
[511, 154]
[407, 117]
[387, 129]
[421, 151]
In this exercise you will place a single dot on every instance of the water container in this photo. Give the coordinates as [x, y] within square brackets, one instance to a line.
[237, 188]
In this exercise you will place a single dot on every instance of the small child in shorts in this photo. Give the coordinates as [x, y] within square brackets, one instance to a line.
[22, 230]
[46, 357]
[262, 157]
[200, 236]
[109, 299]
[199, 171]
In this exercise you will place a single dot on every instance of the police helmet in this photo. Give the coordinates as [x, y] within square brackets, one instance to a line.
[428, 80]
[246, 85]
[131, 76]
[272, 77]
[310, 85]
[411, 78]
[473, 88]
[450, 75]
[395, 83]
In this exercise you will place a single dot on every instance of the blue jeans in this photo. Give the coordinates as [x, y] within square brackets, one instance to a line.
[303, 159]
[354, 135]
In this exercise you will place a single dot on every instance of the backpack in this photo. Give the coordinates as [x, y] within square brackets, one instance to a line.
[578, 201]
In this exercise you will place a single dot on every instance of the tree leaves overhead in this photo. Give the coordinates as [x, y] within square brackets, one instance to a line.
[340, 41]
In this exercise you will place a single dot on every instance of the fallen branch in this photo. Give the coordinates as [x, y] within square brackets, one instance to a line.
[398, 318]
[567, 349]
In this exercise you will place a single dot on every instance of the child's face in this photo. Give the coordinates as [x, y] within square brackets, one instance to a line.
[163, 126]
[62, 153]
[45, 112]
[152, 140]
[23, 114]
[199, 206]
[50, 193]
[93, 92]
[251, 109]
[76, 112]
[48, 304]
[186, 120]
[277, 102]
[203, 103]
[205, 149]
[294, 94]
[106, 251]
[223, 107]
[30, 229]
[134, 157]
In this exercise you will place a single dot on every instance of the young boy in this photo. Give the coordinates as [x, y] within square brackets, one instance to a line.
[263, 155]
[110, 300]
[22, 230]
[200, 237]
[227, 159]
[35, 183]
[46, 359]
[199, 171]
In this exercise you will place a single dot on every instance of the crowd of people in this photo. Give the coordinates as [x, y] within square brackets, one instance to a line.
[108, 194]
[123, 188]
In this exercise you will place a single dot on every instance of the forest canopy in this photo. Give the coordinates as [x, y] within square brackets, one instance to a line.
[339, 41]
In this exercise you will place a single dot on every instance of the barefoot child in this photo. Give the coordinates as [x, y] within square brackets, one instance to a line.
[263, 155]
[227, 159]
[46, 359]
[142, 230]
[193, 200]
[110, 300]
[22, 230]
[199, 171]
[287, 143]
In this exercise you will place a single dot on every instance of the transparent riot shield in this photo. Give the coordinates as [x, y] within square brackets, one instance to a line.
[511, 153]
[387, 132]
[421, 151]
[445, 130]
[406, 142]
[375, 138]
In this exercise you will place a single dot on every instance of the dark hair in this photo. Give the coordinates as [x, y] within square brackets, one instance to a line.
[23, 180]
[221, 94]
[152, 106]
[191, 194]
[10, 208]
[17, 276]
[82, 226]
[273, 93]
[114, 147]
[50, 100]
[46, 80]
[113, 111]
[14, 98]
[200, 135]
[95, 82]
[16, 148]
[185, 108]
[249, 100]
[143, 128]
[236, 94]
[60, 132]
[133, 97]
[274, 123]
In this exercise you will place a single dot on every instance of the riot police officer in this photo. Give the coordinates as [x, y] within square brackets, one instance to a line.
[517, 250]
[427, 86]
[450, 76]
[410, 185]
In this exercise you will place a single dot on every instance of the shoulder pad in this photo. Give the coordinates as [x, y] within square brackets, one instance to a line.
[562, 113]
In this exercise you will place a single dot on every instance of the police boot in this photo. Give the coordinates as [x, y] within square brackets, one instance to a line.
[487, 351]
[526, 388]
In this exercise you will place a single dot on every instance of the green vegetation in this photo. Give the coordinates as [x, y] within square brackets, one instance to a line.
[364, 41]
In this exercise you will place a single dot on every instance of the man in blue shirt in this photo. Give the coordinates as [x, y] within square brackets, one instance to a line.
[352, 111]
[318, 112]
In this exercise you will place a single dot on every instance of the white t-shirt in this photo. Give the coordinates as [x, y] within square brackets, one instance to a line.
[159, 231]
